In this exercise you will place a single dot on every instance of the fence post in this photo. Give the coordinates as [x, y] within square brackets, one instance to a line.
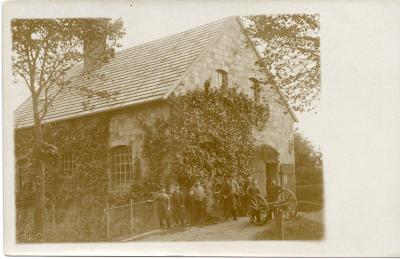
[108, 222]
[132, 216]
[279, 224]
[54, 220]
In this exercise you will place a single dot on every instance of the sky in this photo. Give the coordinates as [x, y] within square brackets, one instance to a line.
[145, 22]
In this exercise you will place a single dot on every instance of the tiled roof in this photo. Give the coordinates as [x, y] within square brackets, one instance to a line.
[142, 73]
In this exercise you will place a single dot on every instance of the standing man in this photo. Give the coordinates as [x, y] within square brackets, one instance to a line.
[198, 199]
[163, 208]
[189, 204]
[229, 192]
[178, 205]
[247, 182]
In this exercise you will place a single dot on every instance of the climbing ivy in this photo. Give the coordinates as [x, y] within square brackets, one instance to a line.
[86, 188]
[207, 135]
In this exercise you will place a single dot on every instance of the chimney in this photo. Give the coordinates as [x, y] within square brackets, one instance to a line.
[94, 51]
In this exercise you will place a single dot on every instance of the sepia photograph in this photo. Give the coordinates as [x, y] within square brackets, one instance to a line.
[188, 137]
[135, 127]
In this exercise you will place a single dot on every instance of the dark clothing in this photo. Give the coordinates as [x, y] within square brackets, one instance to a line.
[252, 191]
[229, 192]
[198, 196]
[178, 206]
[197, 208]
[163, 209]
[189, 205]
[273, 192]
[246, 183]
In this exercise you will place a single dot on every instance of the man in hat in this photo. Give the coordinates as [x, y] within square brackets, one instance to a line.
[178, 205]
[163, 208]
[229, 192]
[246, 183]
[198, 199]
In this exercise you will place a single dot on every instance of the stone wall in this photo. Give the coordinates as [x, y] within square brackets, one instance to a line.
[125, 129]
[231, 54]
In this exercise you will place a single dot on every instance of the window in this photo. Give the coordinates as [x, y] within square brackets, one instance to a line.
[121, 166]
[256, 89]
[23, 175]
[67, 164]
[222, 79]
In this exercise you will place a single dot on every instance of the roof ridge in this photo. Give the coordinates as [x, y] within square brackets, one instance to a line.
[221, 21]
[139, 85]
[74, 70]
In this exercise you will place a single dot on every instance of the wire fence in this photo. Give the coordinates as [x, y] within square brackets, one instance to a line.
[130, 219]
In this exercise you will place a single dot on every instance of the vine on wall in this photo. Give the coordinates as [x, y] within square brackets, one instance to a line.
[207, 135]
[86, 188]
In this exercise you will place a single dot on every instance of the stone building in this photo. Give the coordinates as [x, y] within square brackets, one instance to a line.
[145, 75]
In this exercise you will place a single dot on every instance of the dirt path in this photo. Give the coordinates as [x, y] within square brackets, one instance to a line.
[241, 229]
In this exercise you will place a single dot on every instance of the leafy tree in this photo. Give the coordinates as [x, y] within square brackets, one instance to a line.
[43, 51]
[308, 161]
[291, 52]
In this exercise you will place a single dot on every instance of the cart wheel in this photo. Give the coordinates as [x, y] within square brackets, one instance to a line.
[258, 206]
[289, 198]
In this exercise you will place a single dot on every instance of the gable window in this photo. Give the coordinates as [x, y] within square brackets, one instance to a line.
[67, 164]
[256, 90]
[23, 175]
[222, 79]
[121, 166]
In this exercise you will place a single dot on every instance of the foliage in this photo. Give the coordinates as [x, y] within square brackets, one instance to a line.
[291, 52]
[308, 161]
[207, 135]
[86, 188]
[43, 50]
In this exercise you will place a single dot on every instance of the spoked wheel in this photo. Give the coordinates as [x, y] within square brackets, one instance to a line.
[288, 197]
[258, 210]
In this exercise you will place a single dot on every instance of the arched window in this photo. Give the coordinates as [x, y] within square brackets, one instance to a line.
[256, 90]
[121, 166]
[67, 164]
[23, 182]
[222, 79]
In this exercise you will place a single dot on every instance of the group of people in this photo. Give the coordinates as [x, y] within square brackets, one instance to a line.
[234, 193]
[183, 208]
[188, 208]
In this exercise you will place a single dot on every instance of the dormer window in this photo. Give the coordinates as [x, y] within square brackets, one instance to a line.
[256, 89]
[222, 79]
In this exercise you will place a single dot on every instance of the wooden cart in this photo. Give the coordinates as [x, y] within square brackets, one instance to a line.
[259, 209]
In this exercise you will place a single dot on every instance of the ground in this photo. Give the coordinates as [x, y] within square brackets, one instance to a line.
[307, 226]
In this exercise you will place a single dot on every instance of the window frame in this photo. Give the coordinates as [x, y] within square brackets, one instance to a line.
[121, 171]
[256, 89]
[23, 175]
[67, 159]
[222, 79]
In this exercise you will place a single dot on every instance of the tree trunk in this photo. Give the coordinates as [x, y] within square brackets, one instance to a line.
[39, 173]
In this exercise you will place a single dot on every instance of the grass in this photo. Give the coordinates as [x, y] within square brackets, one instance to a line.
[296, 229]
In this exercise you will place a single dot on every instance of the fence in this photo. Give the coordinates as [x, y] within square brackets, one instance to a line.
[60, 225]
[129, 219]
